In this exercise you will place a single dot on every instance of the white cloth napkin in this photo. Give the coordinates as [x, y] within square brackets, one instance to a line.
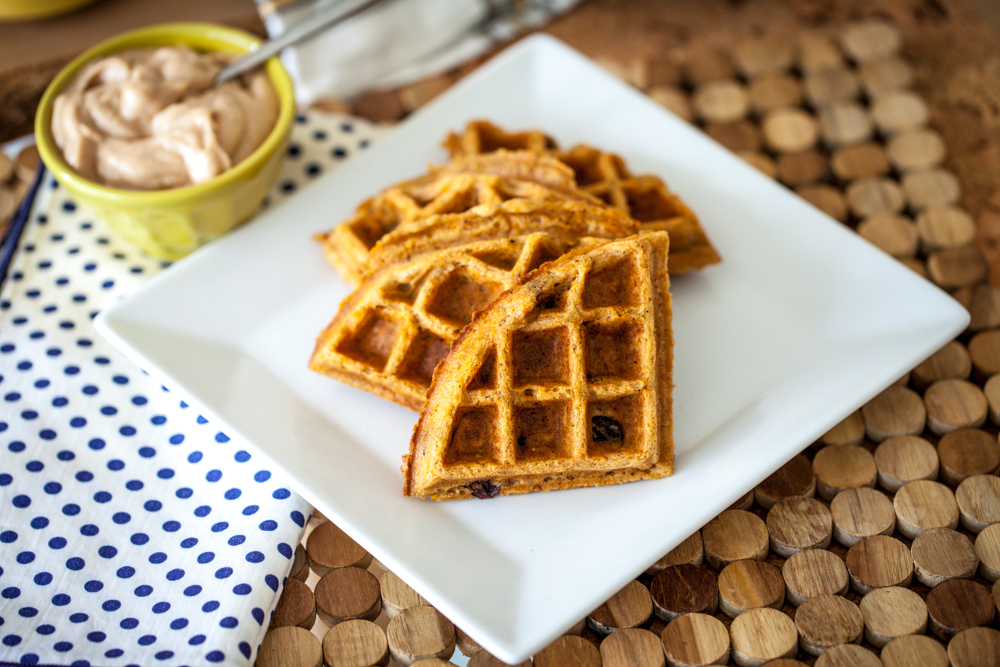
[399, 41]
[132, 530]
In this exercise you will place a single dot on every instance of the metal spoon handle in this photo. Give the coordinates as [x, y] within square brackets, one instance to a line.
[319, 20]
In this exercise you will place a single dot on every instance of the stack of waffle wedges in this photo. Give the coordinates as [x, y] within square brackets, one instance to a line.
[518, 298]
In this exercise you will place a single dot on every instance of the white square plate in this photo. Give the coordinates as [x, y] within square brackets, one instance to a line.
[802, 323]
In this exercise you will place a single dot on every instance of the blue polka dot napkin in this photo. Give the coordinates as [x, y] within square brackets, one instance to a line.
[132, 531]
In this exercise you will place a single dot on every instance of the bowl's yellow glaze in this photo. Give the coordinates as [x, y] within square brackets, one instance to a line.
[171, 223]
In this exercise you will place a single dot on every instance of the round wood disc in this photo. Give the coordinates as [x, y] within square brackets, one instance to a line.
[954, 404]
[795, 478]
[921, 505]
[826, 198]
[984, 350]
[795, 169]
[905, 458]
[6, 168]
[978, 499]
[892, 612]
[824, 87]
[290, 646]
[885, 74]
[568, 650]
[760, 161]
[480, 659]
[916, 150]
[329, 548]
[694, 640]
[975, 647]
[355, 643]
[632, 647]
[684, 589]
[896, 411]
[798, 523]
[720, 101]
[931, 187]
[984, 308]
[300, 564]
[737, 135]
[859, 161]
[841, 467]
[870, 40]
[957, 268]
[628, 608]
[914, 650]
[844, 123]
[468, 646]
[943, 227]
[899, 111]
[968, 452]
[892, 233]
[707, 64]
[826, 621]
[734, 535]
[818, 52]
[674, 99]
[759, 56]
[951, 361]
[813, 572]
[860, 513]
[875, 194]
[296, 606]
[988, 550]
[749, 584]
[848, 655]
[347, 593]
[877, 562]
[744, 502]
[26, 163]
[850, 431]
[789, 130]
[959, 604]
[992, 391]
[420, 632]
[773, 91]
[940, 554]
[763, 634]
[397, 595]
[690, 552]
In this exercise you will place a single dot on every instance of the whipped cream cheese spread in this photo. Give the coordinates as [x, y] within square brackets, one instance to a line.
[150, 119]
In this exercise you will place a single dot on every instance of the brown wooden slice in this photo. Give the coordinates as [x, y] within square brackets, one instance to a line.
[690, 552]
[877, 562]
[348, 593]
[674, 99]
[734, 535]
[795, 169]
[634, 72]
[330, 548]
[420, 632]
[664, 71]
[813, 572]
[967, 452]
[826, 86]
[850, 431]
[798, 523]
[892, 612]
[749, 584]
[817, 52]
[290, 646]
[896, 411]
[931, 187]
[914, 650]
[763, 634]
[875, 194]
[941, 554]
[899, 111]
[6, 168]
[826, 621]
[984, 307]
[568, 650]
[420, 93]
[870, 39]
[860, 161]
[481, 659]
[397, 595]
[894, 234]
[984, 350]
[957, 268]
[988, 550]
[773, 91]
[632, 647]
[707, 64]
[26, 163]
[953, 404]
[861, 513]
[996, 595]
[905, 458]
[848, 655]
[300, 564]
[744, 502]
[841, 467]
[951, 361]
[826, 198]
[959, 604]
[378, 106]
[921, 505]
[916, 150]
[737, 135]
[843, 124]
[720, 101]
[916, 265]
[355, 643]
[468, 646]
[795, 478]
[942, 227]
[759, 56]
[296, 606]
[761, 162]
[684, 589]
[8, 204]
[975, 647]
[885, 74]
[628, 608]
[694, 640]
[978, 499]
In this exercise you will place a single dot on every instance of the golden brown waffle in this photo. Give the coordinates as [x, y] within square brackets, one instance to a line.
[563, 381]
[605, 175]
[452, 189]
[390, 334]
[515, 217]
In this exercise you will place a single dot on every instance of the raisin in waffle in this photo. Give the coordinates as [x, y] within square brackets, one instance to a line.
[451, 189]
[563, 381]
[515, 217]
[605, 175]
[390, 334]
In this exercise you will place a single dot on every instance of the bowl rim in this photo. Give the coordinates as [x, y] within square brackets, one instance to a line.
[164, 34]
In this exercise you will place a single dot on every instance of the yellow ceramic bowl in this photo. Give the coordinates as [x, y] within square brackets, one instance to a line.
[171, 223]
[30, 10]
